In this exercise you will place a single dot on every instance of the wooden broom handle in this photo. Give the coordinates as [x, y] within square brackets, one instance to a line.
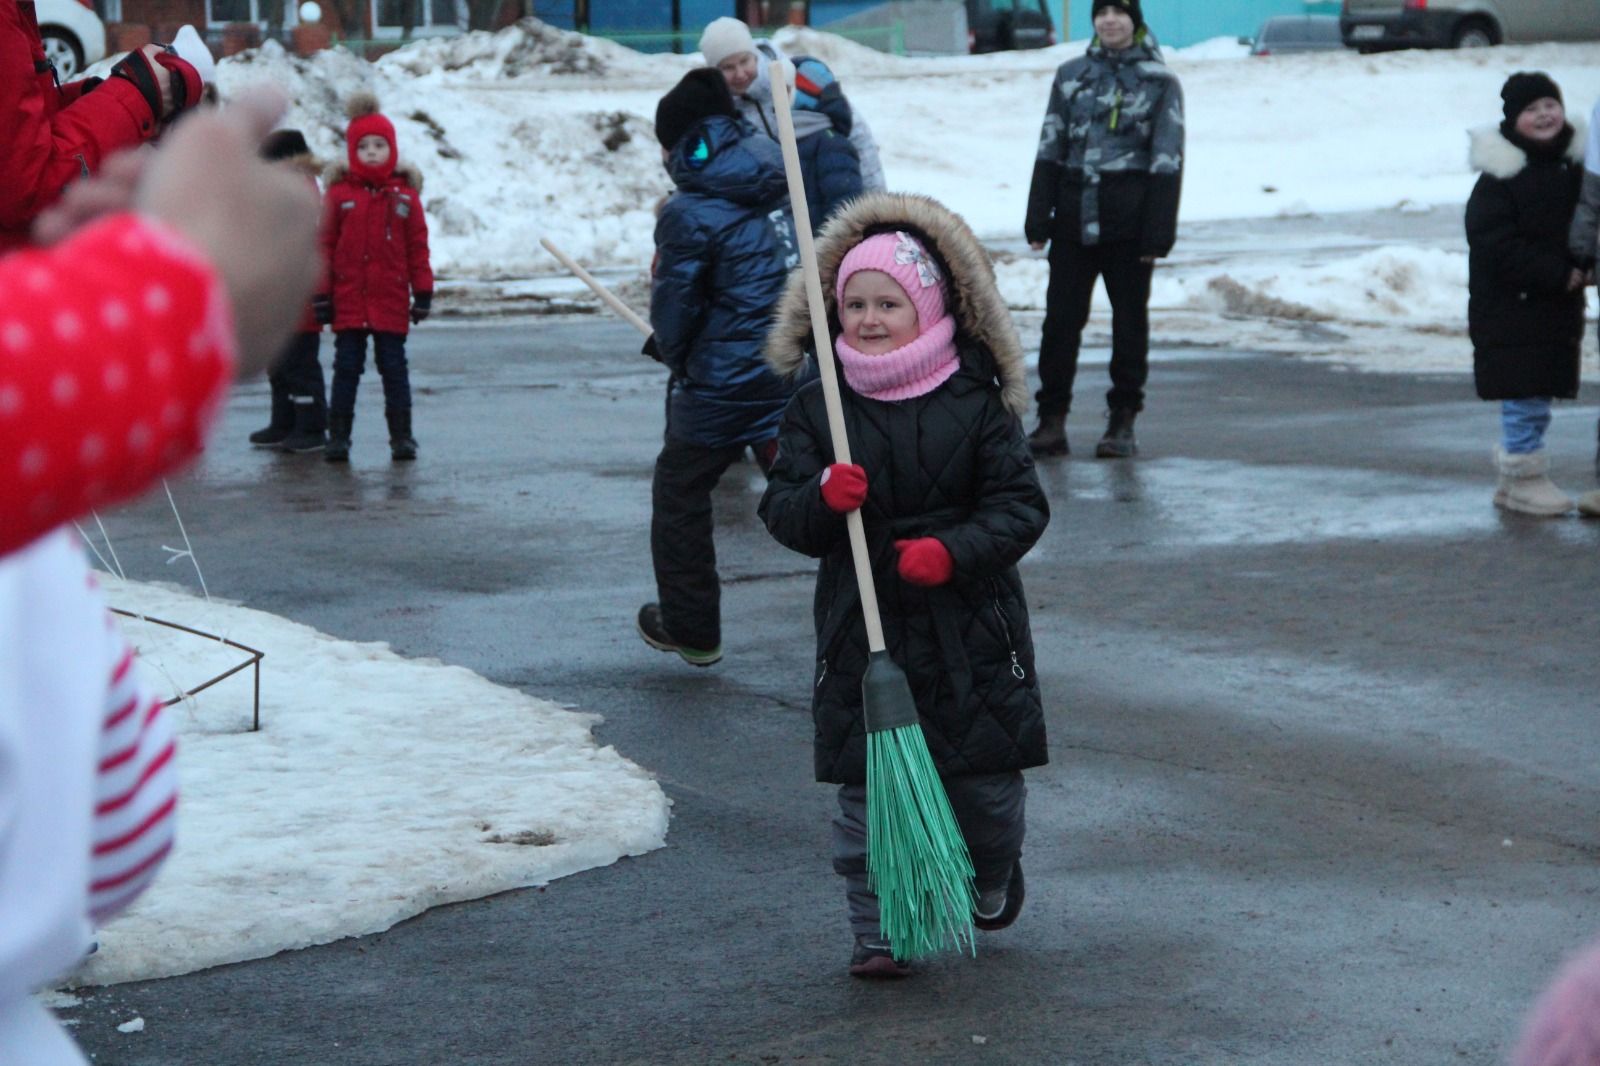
[824, 346]
[628, 314]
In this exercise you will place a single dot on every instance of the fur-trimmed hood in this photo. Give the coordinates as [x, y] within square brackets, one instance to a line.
[981, 315]
[406, 172]
[1494, 155]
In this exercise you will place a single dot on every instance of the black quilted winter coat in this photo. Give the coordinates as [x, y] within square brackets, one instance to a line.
[952, 464]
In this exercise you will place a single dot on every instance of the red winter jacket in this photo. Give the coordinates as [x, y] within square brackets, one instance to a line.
[52, 136]
[376, 242]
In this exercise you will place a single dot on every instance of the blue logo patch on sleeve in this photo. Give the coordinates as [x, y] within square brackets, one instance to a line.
[701, 155]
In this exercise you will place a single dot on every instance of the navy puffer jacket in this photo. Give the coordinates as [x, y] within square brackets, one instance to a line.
[724, 245]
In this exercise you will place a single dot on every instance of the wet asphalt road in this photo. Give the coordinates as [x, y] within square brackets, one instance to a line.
[1324, 727]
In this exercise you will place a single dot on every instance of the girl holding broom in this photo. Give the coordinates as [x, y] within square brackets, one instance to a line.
[934, 387]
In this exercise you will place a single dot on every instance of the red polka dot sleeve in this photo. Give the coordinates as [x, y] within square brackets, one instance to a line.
[116, 350]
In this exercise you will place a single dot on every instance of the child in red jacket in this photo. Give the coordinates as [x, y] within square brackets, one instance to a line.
[375, 241]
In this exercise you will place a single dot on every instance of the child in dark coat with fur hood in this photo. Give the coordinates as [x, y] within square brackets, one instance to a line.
[933, 387]
[375, 241]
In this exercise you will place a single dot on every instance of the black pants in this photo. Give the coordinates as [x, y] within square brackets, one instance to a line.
[1073, 270]
[680, 539]
[989, 808]
[350, 360]
[297, 376]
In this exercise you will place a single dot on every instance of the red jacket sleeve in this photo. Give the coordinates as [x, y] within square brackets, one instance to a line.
[118, 348]
[45, 142]
[417, 250]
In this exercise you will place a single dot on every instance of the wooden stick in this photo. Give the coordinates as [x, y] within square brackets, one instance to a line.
[610, 299]
[824, 346]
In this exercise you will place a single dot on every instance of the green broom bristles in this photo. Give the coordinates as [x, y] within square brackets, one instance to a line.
[917, 860]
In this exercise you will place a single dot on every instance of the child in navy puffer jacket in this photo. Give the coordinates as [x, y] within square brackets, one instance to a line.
[375, 240]
[724, 244]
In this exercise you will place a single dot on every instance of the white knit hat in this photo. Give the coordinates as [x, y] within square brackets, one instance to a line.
[725, 37]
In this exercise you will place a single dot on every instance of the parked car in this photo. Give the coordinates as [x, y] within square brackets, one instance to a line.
[1284, 34]
[1378, 25]
[74, 36]
[1002, 25]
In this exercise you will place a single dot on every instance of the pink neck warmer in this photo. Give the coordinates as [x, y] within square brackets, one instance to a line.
[912, 369]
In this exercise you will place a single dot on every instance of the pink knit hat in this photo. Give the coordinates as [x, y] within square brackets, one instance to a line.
[903, 258]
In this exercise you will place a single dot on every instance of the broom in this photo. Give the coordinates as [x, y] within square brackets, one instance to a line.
[609, 298]
[917, 860]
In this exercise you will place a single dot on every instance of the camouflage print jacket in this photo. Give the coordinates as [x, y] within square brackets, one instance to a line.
[1110, 162]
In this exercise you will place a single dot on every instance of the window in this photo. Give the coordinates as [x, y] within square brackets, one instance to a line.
[222, 12]
[429, 17]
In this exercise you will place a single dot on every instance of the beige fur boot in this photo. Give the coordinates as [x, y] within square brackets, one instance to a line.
[1525, 485]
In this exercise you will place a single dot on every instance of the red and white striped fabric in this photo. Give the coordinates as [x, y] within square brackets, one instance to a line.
[136, 791]
[116, 350]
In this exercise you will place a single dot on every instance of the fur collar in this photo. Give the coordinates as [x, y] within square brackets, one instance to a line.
[981, 315]
[1497, 157]
[406, 172]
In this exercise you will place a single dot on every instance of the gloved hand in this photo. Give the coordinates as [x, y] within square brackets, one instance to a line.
[168, 83]
[421, 305]
[651, 349]
[186, 83]
[322, 308]
[844, 487]
[925, 561]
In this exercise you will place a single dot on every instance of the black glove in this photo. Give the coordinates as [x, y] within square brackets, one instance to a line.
[136, 68]
[651, 348]
[421, 305]
[322, 308]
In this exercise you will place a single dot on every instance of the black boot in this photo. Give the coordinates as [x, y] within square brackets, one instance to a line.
[338, 450]
[402, 445]
[308, 434]
[1051, 436]
[1118, 443]
[277, 430]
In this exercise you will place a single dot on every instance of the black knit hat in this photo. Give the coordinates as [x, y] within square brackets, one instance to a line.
[283, 144]
[701, 94]
[1523, 88]
[1129, 7]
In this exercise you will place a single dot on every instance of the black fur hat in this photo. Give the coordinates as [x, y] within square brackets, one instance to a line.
[700, 94]
[284, 144]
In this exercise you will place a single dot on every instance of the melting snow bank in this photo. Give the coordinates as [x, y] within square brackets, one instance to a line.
[378, 787]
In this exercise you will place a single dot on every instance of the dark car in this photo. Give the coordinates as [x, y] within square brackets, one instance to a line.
[1002, 25]
[1379, 25]
[1297, 33]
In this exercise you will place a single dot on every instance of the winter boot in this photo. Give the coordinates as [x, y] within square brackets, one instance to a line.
[1051, 436]
[308, 434]
[998, 908]
[1118, 443]
[278, 429]
[402, 445]
[872, 957]
[655, 634]
[338, 450]
[1589, 504]
[1525, 485]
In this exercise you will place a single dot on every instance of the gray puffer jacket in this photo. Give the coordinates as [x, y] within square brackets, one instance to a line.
[1110, 162]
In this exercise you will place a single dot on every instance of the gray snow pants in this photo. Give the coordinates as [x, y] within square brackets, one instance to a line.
[989, 809]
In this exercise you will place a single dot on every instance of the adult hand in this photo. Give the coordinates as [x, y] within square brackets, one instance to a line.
[844, 487]
[257, 223]
[1037, 246]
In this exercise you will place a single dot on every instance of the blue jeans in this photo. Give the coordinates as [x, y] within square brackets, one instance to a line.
[1522, 424]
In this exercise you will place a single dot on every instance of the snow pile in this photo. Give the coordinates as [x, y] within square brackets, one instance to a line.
[378, 787]
[535, 131]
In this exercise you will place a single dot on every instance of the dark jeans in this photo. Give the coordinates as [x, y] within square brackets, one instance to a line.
[350, 360]
[297, 376]
[988, 807]
[680, 539]
[1073, 270]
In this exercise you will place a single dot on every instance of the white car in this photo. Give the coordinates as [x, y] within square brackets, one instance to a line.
[74, 36]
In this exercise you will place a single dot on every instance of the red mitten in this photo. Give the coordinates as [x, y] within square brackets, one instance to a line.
[844, 487]
[186, 83]
[925, 561]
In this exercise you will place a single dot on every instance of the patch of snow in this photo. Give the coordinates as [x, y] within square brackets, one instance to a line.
[377, 787]
[133, 1025]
